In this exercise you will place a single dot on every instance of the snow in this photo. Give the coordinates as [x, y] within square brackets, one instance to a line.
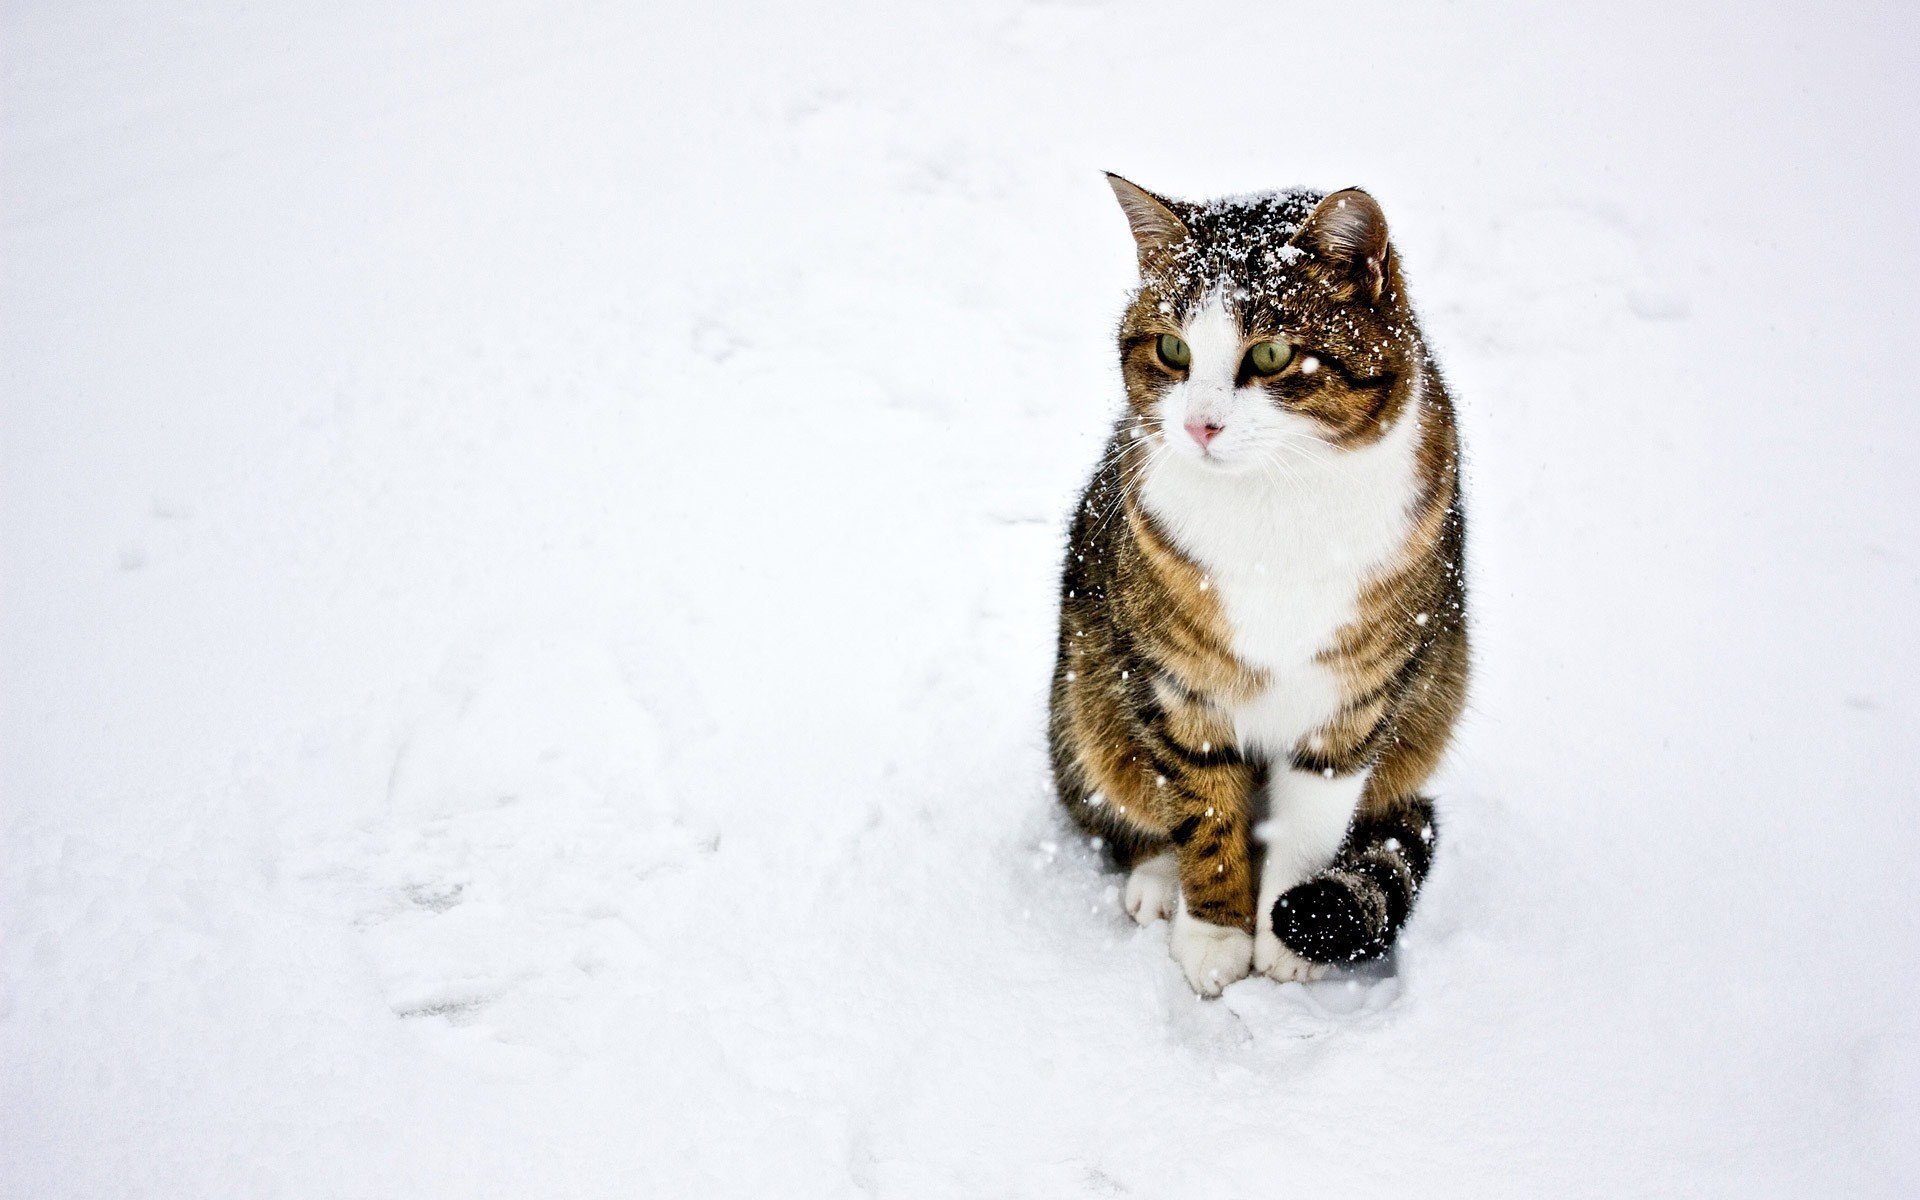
[527, 548]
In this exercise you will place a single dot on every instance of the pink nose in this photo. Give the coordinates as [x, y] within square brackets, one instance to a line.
[1202, 432]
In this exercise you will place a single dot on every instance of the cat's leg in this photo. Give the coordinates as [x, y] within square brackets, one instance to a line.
[1351, 909]
[1182, 818]
[1208, 805]
[1309, 813]
[1157, 778]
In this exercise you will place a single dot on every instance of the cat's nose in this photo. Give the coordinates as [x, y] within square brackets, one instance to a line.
[1203, 432]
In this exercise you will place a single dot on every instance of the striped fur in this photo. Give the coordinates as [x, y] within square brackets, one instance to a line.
[1178, 721]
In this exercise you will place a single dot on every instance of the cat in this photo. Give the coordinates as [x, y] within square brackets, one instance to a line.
[1263, 628]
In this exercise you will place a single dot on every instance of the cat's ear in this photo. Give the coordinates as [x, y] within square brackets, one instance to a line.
[1155, 225]
[1347, 234]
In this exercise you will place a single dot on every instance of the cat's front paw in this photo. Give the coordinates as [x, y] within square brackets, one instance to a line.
[1153, 888]
[1210, 956]
[1272, 958]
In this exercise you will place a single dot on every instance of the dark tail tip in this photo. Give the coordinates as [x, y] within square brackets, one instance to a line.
[1321, 921]
[1353, 911]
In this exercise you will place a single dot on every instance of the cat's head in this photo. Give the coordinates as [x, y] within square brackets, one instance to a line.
[1265, 327]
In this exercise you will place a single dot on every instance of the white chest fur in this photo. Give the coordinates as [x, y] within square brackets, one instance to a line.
[1287, 549]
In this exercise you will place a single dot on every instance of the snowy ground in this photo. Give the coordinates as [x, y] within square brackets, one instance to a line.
[527, 540]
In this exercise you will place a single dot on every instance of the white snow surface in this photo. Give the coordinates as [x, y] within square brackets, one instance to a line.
[527, 553]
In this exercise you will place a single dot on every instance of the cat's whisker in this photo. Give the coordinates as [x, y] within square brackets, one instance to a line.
[1129, 467]
[1307, 448]
[1286, 457]
[1151, 459]
[1282, 467]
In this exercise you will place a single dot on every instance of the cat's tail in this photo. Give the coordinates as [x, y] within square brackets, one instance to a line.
[1353, 910]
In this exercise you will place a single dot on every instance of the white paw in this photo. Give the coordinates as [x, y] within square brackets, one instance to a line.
[1152, 887]
[1272, 959]
[1210, 956]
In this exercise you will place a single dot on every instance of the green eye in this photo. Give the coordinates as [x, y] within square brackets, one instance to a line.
[1174, 352]
[1269, 358]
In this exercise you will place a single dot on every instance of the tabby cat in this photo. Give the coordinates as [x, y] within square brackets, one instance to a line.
[1263, 641]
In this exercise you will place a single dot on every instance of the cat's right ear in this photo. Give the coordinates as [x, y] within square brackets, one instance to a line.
[1348, 233]
[1156, 227]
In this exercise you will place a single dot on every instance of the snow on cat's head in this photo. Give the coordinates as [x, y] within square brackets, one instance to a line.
[1267, 330]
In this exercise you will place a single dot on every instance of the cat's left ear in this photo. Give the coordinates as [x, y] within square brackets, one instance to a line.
[1347, 233]
[1156, 227]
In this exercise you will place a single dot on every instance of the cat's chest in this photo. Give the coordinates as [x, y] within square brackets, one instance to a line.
[1286, 564]
[1283, 603]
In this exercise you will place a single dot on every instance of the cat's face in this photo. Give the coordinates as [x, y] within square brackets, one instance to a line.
[1266, 328]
